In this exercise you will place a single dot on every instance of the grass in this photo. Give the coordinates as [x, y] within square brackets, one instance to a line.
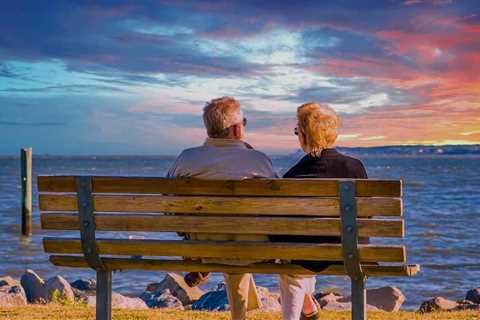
[77, 312]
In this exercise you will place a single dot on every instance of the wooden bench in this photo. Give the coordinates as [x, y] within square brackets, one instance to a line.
[333, 207]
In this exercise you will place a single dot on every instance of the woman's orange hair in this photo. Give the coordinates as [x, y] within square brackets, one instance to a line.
[319, 123]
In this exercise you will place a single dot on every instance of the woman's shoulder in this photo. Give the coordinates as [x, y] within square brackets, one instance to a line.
[348, 158]
[299, 168]
[353, 165]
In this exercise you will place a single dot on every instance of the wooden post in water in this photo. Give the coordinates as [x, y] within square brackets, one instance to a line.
[26, 168]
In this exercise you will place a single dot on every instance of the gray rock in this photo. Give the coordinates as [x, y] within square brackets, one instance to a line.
[212, 301]
[270, 300]
[82, 289]
[344, 306]
[473, 295]
[84, 285]
[337, 306]
[437, 304]
[385, 298]
[82, 295]
[178, 288]
[466, 305]
[319, 295]
[33, 285]
[325, 299]
[163, 299]
[8, 281]
[12, 295]
[120, 302]
[60, 285]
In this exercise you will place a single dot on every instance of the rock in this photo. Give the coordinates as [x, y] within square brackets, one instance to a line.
[178, 288]
[337, 306]
[82, 289]
[319, 295]
[466, 305]
[33, 285]
[11, 295]
[330, 297]
[163, 299]
[270, 300]
[8, 281]
[385, 298]
[473, 295]
[120, 302]
[344, 306]
[212, 301]
[437, 304]
[82, 295]
[60, 285]
[84, 285]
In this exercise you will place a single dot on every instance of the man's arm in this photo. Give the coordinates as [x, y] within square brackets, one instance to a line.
[173, 170]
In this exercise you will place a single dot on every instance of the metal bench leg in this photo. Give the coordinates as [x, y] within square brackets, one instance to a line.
[104, 295]
[359, 299]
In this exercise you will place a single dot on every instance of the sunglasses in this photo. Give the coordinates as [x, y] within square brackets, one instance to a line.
[295, 131]
[244, 122]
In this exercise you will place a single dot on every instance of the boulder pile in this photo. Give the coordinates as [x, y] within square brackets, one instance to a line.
[172, 292]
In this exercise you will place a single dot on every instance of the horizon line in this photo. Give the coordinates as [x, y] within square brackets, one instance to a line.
[269, 153]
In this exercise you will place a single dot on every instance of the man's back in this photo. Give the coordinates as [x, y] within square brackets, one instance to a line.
[222, 159]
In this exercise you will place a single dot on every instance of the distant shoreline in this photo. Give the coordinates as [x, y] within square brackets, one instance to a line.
[379, 151]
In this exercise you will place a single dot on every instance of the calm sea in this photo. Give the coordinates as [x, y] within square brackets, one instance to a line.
[442, 210]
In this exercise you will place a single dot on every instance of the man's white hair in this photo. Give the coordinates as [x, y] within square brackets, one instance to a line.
[220, 114]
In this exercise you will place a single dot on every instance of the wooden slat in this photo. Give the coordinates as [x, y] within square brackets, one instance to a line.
[194, 266]
[243, 250]
[311, 206]
[235, 225]
[259, 187]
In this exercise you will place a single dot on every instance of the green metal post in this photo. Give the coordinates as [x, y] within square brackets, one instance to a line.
[26, 169]
[104, 295]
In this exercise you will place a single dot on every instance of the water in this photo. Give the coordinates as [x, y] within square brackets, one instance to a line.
[442, 208]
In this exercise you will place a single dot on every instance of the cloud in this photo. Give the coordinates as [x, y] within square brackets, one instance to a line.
[388, 67]
[75, 88]
[6, 72]
[31, 124]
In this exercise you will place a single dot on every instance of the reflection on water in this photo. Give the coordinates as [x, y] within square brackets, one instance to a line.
[442, 205]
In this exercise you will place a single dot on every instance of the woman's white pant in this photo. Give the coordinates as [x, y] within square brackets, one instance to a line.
[293, 289]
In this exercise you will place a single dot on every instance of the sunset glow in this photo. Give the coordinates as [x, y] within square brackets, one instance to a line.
[132, 78]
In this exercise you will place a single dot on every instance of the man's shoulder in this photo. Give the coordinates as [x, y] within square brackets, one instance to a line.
[191, 150]
[258, 154]
[254, 157]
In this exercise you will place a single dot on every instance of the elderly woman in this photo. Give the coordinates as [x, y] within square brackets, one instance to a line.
[317, 133]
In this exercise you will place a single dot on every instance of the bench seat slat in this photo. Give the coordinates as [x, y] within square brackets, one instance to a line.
[260, 187]
[313, 206]
[244, 250]
[212, 224]
[195, 266]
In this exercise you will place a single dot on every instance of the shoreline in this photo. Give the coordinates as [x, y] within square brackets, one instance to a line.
[173, 293]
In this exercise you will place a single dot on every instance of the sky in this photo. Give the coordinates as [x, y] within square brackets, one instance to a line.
[132, 77]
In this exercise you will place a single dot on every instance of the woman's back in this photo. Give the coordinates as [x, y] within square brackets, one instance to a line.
[330, 164]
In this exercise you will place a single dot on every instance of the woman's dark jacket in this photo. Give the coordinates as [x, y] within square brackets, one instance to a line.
[330, 164]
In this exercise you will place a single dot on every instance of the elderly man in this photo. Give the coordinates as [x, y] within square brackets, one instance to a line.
[225, 156]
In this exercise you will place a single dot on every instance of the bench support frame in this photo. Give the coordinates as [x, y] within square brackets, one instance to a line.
[86, 215]
[348, 209]
[104, 295]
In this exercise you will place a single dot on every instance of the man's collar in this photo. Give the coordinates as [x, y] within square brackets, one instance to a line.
[229, 143]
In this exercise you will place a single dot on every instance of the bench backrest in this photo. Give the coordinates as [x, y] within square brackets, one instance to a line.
[258, 206]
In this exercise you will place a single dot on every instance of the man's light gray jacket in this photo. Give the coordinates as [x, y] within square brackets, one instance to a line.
[223, 159]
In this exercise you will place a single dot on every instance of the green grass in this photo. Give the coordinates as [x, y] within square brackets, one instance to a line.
[77, 312]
